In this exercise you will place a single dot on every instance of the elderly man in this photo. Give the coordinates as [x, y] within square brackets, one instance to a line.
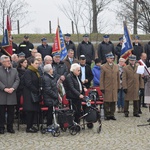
[44, 48]
[105, 47]
[59, 67]
[86, 48]
[110, 85]
[132, 82]
[86, 74]
[69, 60]
[9, 82]
[21, 56]
[25, 46]
[14, 60]
[69, 44]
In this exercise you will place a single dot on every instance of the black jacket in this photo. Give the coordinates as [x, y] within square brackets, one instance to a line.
[47, 50]
[72, 46]
[118, 51]
[103, 49]
[137, 50]
[87, 50]
[25, 47]
[60, 69]
[50, 92]
[31, 84]
[72, 87]
[15, 48]
[88, 75]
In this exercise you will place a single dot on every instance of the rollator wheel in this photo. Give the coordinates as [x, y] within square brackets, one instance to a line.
[99, 129]
[74, 129]
[43, 131]
[56, 133]
[90, 125]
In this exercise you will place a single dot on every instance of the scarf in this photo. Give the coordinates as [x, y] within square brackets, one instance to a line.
[34, 70]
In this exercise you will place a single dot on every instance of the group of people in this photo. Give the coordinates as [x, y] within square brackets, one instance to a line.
[32, 71]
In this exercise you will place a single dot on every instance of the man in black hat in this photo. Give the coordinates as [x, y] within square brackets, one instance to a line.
[105, 47]
[44, 49]
[86, 74]
[118, 48]
[131, 82]
[26, 47]
[86, 48]
[137, 47]
[69, 44]
[110, 85]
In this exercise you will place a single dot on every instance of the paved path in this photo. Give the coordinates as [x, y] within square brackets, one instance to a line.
[122, 134]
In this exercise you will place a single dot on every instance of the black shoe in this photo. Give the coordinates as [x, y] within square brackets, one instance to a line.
[140, 112]
[1, 131]
[145, 106]
[11, 130]
[126, 115]
[30, 130]
[34, 128]
[148, 120]
[112, 118]
[107, 118]
[137, 115]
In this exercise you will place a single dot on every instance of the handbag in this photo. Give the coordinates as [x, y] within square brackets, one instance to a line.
[35, 97]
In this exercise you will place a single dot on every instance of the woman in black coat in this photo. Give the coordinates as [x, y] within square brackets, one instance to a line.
[74, 89]
[50, 92]
[31, 84]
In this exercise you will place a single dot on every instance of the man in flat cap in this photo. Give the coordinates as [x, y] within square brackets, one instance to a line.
[25, 46]
[86, 48]
[69, 44]
[131, 83]
[44, 49]
[105, 47]
[137, 47]
[118, 49]
[110, 85]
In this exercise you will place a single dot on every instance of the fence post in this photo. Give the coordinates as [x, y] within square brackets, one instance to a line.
[18, 27]
[50, 27]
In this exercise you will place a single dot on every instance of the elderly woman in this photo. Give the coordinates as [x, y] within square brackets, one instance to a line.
[31, 85]
[74, 89]
[50, 92]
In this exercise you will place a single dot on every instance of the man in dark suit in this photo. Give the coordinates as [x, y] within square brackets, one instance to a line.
[69, 44]
[86, 74]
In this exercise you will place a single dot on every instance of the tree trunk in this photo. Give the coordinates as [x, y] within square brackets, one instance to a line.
[94, 9]
[135, 17]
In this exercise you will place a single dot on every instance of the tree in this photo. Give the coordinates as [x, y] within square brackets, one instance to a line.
[15, 8]
[136, 13]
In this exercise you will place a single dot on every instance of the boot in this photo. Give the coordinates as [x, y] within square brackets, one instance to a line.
[119, 110]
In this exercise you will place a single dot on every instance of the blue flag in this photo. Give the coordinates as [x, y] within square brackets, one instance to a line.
[127, 46]
[59, 44]
[5, 41]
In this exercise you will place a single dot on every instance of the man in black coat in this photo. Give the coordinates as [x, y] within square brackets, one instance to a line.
[59, 67]
[105, 47]
[118, 48]
[15, 47]
[44, 49]
[147, 51]
[86, 74]
[69, 44]
[137, 48]
[86, 48]
[26, 47]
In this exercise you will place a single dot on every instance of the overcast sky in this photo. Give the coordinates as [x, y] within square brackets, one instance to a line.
[41, 11]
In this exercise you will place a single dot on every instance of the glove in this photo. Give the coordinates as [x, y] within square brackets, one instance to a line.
[103, 91]
[125, 91]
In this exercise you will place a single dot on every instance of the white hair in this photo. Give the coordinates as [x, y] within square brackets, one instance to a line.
[47, 57]
[122, 59]
[3, 57]
[47, 67]
[74, 67]
[14, 56]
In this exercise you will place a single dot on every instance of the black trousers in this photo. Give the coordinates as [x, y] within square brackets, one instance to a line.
[31, 116]
[135, 107]
[10, 116]
[50, 115]
[109, 109]
[76, 104]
